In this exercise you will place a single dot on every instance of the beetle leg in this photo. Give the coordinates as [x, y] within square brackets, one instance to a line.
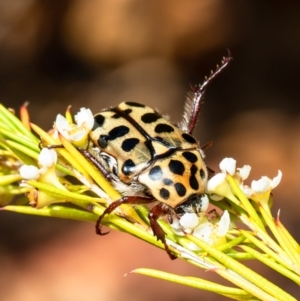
[207, 145]
[124, 200]
[156, 212]
[211, 172]
[96, 163]
[194, 100]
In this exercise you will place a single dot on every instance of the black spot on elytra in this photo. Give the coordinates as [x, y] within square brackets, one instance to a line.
[167, 181]
[134, 104]
[193, 181]
[164, 193]
[180, 189]
[116, 116]
[155, 173]
[98, 121]
[176, 167]
[117, 132]
[193, 169]
[163, 128]
[202, 174]
[190, 157]
[150, 117]
[188, 138]
[129, 144]
[103, 140]
[127, 111]
[128, 167]
[157, 138]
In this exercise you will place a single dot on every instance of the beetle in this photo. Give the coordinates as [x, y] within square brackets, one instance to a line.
[148, 158]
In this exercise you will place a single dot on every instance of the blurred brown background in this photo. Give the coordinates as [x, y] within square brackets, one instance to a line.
[99, 53]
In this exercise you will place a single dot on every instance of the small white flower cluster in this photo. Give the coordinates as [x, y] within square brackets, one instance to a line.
[47, 158]
[76, 133]
[73, 132]
[208, 229]
[46, 172]
[213, 230]
[215, 186]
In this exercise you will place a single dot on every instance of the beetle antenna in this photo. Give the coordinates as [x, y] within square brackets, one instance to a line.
[194, 100]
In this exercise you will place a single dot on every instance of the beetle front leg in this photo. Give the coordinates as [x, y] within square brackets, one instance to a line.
[124, 200]
[96, 163]
[156, 212]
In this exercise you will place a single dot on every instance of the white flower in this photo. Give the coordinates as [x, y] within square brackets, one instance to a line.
[46, 160]
[223, 224]
[176, 227]
[77, 133]
[186, 223]
[244, 172]
[246, 190]
[201, 227]
[47, 157]
[260, 186]
[216, 181]
[228, 165]
[265, 183]
[29, 172]
[205, 203]
[204, 232]
[189, 220]
[63, 126]
[212, 233]
[260, 190]
[85, 119]
[276, 180]
[45, 174]
[218, 188]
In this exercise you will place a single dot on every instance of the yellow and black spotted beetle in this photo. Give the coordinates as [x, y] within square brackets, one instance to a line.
[148, 158]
